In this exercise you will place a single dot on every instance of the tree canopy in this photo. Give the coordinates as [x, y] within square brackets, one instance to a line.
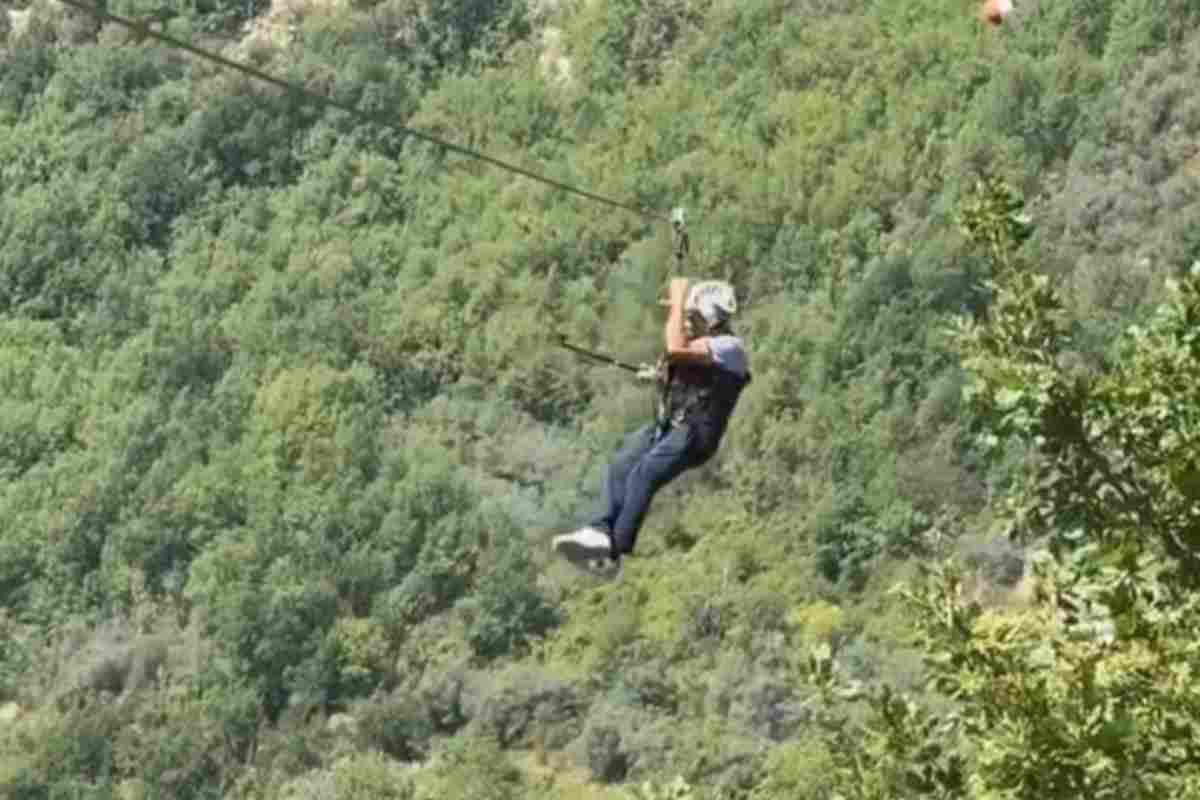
[286, 429]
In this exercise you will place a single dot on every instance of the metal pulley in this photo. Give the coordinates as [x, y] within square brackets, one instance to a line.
[680, 236]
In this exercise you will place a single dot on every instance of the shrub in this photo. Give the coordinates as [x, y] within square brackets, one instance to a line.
[678, 789]
[801, 770]
[474, 767]
[527, 703]
[606, 759]
[507, 608]
[293, 746]
[364, 654]
[759, 699]
[52, 752]
[999, 560]
[768, 705]
[447, 699]
[111, 658]
[650, 686]
[705, 622]
[397, 725]
[366, 776]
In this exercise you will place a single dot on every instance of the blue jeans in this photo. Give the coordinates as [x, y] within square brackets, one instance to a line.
[645, 464]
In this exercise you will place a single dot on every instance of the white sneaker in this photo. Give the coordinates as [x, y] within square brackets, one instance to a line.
[583, 546]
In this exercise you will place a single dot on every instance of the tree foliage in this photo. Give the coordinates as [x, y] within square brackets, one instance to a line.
[1083, 689]
[285, 427]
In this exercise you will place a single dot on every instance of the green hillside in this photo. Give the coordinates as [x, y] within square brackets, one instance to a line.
[285, 429]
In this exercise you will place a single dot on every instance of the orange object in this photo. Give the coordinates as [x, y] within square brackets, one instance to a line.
[994, 11]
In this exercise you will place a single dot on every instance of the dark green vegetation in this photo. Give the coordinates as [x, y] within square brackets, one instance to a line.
[284, 434]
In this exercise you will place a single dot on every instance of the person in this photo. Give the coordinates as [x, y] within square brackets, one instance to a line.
[702, 374]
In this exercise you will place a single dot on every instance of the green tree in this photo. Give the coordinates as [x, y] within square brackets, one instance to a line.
[1082, 692]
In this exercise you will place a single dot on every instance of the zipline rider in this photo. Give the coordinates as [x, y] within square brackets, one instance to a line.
[701, 375]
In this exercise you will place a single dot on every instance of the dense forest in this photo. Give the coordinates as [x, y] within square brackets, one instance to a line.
[286, 429]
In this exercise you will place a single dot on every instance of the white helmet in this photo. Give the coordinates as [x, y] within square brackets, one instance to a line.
[714, 302]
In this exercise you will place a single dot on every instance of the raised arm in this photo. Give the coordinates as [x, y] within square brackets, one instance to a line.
[680, 349]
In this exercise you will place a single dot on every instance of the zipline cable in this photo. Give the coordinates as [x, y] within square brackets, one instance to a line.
[145, 31]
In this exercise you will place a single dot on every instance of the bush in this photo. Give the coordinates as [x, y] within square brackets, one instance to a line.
[507, 608]
[527, 704]
[649, 685]
[396, 725]
[50, 753]
[801, 770]
[999, 560]
[706, 621]
[606, 759]
[366, 776]
[769, 706]
[474, 767]
[678, 789]
[760, 699]
[293, 746]
[112, 658]
[447, 697]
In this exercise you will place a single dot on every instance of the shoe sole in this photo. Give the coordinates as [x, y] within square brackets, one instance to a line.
[578, 554]
[605, 570]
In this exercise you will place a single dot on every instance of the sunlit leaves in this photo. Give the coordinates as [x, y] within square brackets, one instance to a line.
[1113, 446]
[307, 418]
